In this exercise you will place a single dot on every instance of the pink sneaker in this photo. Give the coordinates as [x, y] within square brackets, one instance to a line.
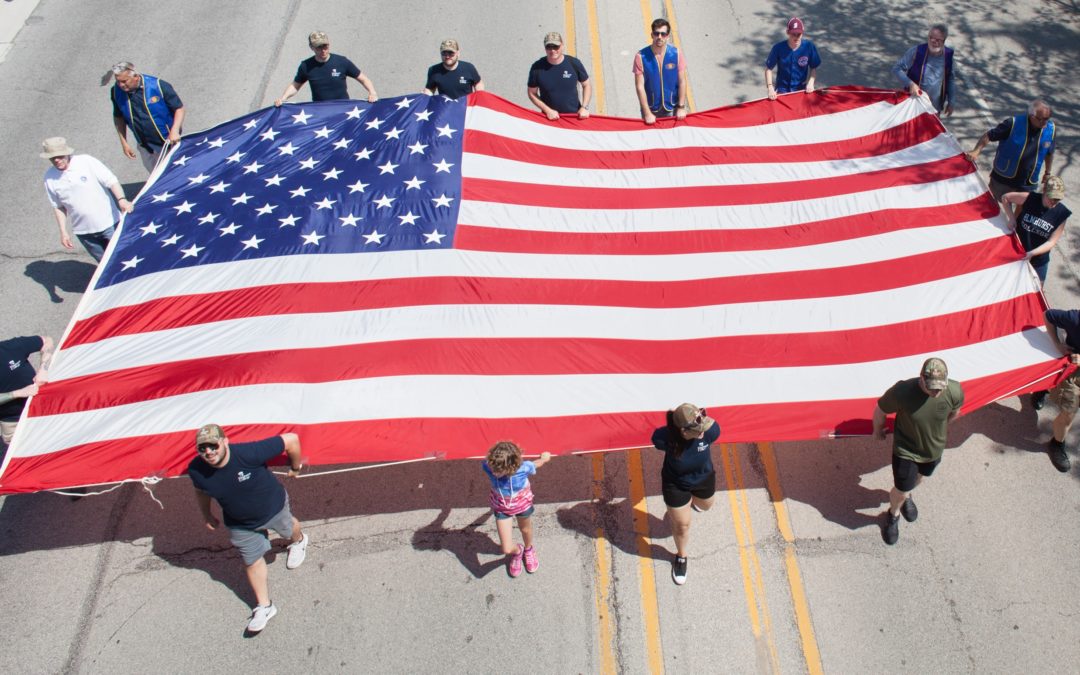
[515, 563]
[531, 563]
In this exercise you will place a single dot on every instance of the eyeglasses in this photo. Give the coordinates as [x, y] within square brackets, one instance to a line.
[207, 447]
[448, 53]
[552, 48]
[657, 33]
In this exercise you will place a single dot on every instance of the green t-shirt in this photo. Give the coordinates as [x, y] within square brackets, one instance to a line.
[921, 427]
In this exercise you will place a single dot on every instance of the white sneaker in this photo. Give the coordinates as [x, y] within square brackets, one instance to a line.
[297, 553]
[260, 617]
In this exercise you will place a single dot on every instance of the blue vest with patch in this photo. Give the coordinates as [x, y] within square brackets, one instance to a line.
[1011, 150]
[661, 91]
[153, 101]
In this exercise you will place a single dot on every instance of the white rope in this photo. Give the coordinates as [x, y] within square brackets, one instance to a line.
[360, 468]
[146, 483]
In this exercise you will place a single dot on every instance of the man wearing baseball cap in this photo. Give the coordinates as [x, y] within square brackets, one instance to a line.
[1038, 218]
[327, 74]
[452, 77]
[252, 502]
[1067, 394]
[553, 81]
[81, 191]
[924, 406]
[796, 62]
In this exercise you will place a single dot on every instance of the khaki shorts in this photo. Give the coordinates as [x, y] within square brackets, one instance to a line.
[7, 430]
[1067, 394]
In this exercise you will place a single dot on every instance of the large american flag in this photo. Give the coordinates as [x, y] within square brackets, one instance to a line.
[424, 276]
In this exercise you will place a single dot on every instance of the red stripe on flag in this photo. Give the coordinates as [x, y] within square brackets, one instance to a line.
[480, 238]
[533, 356]
[922, 128]
[571, 196]
[192, 310]
[457, 438]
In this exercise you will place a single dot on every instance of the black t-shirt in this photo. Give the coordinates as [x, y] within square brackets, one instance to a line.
[1035, 224]
[453, 83]
[694, 465]
[1069, 321]
[248, 493]
[558, 83]
[327, 79]
[16, 371]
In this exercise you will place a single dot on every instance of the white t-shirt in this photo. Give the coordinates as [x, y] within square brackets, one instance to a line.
[82, 192]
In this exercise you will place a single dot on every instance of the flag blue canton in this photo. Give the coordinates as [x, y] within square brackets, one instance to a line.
[316, 178]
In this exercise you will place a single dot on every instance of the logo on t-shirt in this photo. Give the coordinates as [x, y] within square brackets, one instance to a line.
[13, 364]
[461, 80]
[566, 74]
[335, 73]
[803, 60]
[154, 99]
[241, 476]
[82, 178]
[1035, 224]
[702, 446]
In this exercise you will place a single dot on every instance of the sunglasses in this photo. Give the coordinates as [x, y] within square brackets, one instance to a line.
[448, 53]
[207, 447]
[552, 47]
[657, 33]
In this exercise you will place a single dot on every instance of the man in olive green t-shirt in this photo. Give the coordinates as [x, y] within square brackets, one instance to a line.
[924, 406]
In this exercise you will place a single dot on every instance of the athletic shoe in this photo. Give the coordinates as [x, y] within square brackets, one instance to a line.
[1057, 455]
[891, 532]
[678, 571]
[514, 568]
[695, 507]
[260, 617]
[909, 511]
[531, 563]
[1038, 399]
[297, 553]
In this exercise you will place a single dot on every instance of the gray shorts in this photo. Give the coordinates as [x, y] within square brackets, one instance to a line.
[253, 544]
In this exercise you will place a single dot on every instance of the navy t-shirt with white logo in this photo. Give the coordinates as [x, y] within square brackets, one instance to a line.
[453, 83]
[249, 495]
[16, 371]
[327, 79]
[558, 83]
[694, 464]
[1036, 223]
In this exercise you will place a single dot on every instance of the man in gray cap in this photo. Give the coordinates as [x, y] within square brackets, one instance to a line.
[924, 406]
[1025, 150]
[81, 191]
[252, 502]
[452, 77]
[327, 74]
[929, 68]
[150, 107]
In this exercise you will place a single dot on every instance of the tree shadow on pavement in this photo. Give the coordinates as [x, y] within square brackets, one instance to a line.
[69, 276]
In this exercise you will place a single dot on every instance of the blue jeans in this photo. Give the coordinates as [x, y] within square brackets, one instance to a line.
[1041, 270]
[95, 242]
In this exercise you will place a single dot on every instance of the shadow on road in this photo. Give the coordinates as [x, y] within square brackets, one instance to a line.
[69, 276]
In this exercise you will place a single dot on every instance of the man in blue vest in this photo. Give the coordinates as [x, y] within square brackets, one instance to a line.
[929, 67]
[660, 76]
[1025, 146]
[150, 107]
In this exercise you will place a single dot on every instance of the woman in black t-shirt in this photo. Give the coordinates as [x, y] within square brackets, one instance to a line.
[688, 478]
[1039, 220]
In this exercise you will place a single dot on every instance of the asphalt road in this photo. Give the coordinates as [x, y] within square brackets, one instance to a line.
[788, 572]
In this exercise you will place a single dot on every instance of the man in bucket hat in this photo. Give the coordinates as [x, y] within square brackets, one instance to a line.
[81, 191]
[924, 406]
[252, 502]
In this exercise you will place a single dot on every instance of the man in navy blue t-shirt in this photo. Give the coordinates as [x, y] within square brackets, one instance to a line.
[327, 74]
[252, 502]
[1067, 393]
[553, 82]
[18, 379]
[452, 77]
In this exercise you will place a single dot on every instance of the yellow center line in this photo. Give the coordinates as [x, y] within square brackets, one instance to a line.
[753, 580]
[603, 576]
[649, 611]
[798, 594]
[569, 40]
[670, 10]
[597, 76]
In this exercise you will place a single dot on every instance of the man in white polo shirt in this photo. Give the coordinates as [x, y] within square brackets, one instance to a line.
[78, 188]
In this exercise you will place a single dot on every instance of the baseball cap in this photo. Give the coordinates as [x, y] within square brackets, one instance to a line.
[935, 374]
[57, 147]
[318, 38]
[691, 418]
[795, 25]
[1055, 187]
[449, 46]
[553, 38]
[209, 433]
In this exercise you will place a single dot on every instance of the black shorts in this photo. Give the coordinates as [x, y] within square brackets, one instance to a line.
[905, 471]
[676, 496]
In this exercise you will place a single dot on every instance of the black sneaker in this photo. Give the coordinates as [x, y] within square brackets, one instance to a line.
[678, 571]
[1038, 399]
[909, 511]
[1057, 455]
[891, 531]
